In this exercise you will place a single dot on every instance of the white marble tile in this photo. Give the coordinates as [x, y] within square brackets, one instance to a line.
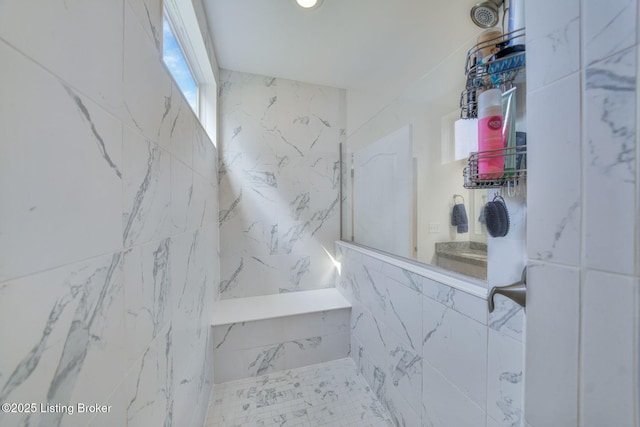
[68, 34]
[324, 170]
[404, 313]
[304, 271]
[191, 323]
[553, 41]
[191, 390]
[229, 182]
[372, 285]
[149, 16]
[259, 158]
[249, 223]
[146, 212]
[444, 405]
[148, 295]
[191, 290]
[505, 380]
[182, 196]
[259, 361]
[363, 361]
[551, 357]
[331, 393]
[278, 197]
[403, 370]
[259, 238]
[227, 366]
[493, 423]
[400, 411]
[244, 335]
[260, 100]
[251, 362]
[263, 273]
[457, 347]
[231, 273]
[349, 285]
[70, 336]
[370, 331]
[194, 270]
[208, 378]
[203, 207]
[554, 127]
[104, 365]
[150, 392]
[231, 121]
[54, 208]
[189, 382]
[117, 414]
[293, 236]
[507, 318]
[608, 342]
[148, 88]
[317, 324]
[608, 28]
[402, 276]
[205, 156]
[466, 304]
[309, 351]
[610, 153]
[179, 132]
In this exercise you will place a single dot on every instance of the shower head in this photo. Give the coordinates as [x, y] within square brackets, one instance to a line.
[486, 14]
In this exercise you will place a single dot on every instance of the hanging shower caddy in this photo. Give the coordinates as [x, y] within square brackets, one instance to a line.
[508, 178]
[502, 71]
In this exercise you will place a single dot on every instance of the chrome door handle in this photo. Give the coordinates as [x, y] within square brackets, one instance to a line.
[516, 291]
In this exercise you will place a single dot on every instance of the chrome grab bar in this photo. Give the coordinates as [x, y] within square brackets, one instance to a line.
[516, 292]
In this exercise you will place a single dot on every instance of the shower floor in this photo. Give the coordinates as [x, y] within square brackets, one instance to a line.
[327, 394]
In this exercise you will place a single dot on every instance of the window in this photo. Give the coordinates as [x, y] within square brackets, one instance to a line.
[178, 66]
[192, 65]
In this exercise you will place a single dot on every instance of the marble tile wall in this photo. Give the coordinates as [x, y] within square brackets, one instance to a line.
[250, 349]
[279, 184]
[432, 354]
[109, 234]
[583, 233]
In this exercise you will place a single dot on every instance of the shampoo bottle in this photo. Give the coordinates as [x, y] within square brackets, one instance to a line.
[490, 138]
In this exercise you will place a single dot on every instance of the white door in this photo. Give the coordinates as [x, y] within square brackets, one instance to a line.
[383, 196]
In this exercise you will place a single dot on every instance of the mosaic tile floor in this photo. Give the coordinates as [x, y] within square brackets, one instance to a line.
[327, 394]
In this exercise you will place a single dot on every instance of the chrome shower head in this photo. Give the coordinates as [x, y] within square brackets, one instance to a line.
[486, 14]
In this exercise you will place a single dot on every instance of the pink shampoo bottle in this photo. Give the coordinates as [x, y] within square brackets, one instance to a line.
[490, 137]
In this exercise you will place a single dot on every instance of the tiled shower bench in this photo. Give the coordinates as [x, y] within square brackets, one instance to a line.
[256, 335]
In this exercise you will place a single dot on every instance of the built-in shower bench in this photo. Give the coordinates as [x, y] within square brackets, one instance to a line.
[257, 335]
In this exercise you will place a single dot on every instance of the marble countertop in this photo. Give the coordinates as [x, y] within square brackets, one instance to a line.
[469, 252]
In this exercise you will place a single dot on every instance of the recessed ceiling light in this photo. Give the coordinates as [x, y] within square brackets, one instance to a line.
[309, 4]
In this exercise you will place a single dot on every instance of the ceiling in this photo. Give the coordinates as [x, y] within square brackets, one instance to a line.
[354, 44]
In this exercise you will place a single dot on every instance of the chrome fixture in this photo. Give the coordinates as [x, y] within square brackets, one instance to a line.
[516, 291]
[487, 13]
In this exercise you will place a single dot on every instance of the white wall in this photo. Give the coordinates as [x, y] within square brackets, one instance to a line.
[279, 184]
[108, 232]
[583, 239]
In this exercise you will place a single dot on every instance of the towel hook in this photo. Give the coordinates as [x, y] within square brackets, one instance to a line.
[457, 195]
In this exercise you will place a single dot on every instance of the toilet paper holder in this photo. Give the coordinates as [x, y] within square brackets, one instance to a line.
[516, 292]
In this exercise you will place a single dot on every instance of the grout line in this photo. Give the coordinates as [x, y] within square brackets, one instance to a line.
[583, 209]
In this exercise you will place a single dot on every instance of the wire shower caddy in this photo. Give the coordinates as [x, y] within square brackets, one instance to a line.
[502, 70]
